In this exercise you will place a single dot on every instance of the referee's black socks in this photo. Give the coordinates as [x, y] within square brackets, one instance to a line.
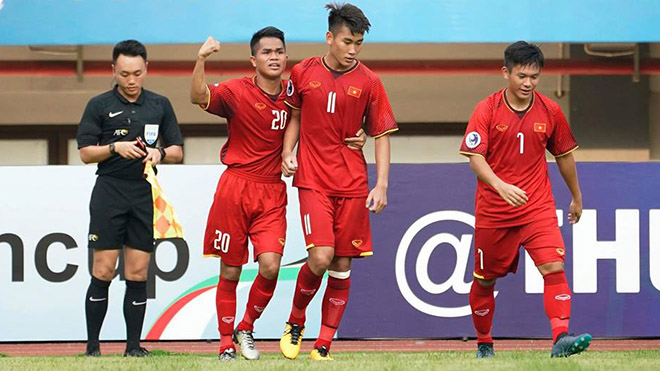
[135, 306]
[96, 305]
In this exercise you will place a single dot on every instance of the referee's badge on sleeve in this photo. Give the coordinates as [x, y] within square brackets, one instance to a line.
[150, 133]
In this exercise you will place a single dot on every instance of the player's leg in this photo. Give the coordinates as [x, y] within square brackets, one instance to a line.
[136, 266]
[353, 240]
[107, 228]
[542, 239]
[495, 255]
[226, 237]
[226, 308]
[335, 300]
[316, 214]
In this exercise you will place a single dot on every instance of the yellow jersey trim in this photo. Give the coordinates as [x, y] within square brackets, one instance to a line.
[468, 154]
[366, 253]
[291, 105]
[571, 151]
[386, 133]
[478, 276]
[211, 256]
[310, 246]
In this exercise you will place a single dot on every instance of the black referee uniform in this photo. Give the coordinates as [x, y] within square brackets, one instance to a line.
[121, 207]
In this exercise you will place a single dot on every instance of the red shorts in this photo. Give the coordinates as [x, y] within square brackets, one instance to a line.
[496, 250]
[242, 209]
[339, 222]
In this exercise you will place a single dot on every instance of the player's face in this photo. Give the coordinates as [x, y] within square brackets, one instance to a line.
[270, 57]
[130, 73]
[344, 47]
[522, 80]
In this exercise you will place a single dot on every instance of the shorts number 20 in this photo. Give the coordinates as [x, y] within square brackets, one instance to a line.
[222, 241]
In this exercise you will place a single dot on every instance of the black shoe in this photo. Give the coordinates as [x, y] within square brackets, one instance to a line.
[485, 350]
[137, 352]
[93, 349]
[567, 345]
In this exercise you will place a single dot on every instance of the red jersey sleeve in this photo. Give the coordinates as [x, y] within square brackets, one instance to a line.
[223, 99]
[293, 96]
[379, 118]
[475, 141]
[561, 140]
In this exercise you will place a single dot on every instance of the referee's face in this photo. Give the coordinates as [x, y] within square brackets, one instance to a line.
[130, 73]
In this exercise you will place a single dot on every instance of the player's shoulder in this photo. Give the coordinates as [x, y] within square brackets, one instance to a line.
[545, 102]
[102, 98]
[306, 64]
[491, 102]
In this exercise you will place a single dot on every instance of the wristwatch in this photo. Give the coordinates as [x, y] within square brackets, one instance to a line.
[163, 154]
[112, 149]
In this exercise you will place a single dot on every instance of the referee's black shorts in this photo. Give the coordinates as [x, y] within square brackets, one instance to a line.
[121, 214]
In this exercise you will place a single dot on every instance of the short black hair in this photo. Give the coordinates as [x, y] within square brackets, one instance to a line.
[524, 54]
[130, 48]
[349, 15]
[269, 31]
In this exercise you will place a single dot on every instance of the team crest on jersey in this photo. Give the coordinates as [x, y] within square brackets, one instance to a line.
[282, 241]
[354, 92]
[501, 127]
[539, 127]
[289, 88]
[315, 84]
[472, 140]
[150, 133]
[260, 106]
[561, 252]
[356, 243]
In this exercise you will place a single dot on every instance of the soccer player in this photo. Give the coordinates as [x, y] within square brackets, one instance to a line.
[332, 96]
[506, 140]
[250, 199]
[121, 207]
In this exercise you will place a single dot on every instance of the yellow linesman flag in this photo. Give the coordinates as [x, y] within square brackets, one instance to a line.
[166, 224]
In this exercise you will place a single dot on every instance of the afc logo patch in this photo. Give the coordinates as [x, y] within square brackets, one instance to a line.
[289, 88]
[472, 140]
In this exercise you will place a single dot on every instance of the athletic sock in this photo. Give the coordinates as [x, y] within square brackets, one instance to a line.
[96, 306]
[482, 302]
[225, 302]
[557, 302]
[135, 306]
[334, 304]
[307, 285]
[260, 294]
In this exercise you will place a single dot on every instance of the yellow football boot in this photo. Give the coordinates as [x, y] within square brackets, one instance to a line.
[321, 354]
[291, 339]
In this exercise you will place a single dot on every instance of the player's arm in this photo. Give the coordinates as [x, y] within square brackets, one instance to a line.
[291, 133]
[513, 195]
[566, 165]
[377, 199]
[356, 142]
[199, 93]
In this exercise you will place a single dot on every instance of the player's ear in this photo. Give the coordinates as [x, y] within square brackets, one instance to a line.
[328, 37]
[253, 60]
[505, 72]
[146, 66]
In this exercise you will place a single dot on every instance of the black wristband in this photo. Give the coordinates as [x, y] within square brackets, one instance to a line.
[112, 149]
[163, 154]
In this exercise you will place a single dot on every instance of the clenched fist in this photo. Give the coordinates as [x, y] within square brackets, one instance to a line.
[209, 47]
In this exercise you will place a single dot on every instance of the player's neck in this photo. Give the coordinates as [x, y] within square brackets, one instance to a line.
[332, 63]
[269, 86]
[517, 103]
[127, 97]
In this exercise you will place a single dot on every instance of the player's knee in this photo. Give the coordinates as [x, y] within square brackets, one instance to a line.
[104, 272]
[485, 283]
[552, 267]
[319, 262]
[269, 270]
[229, 272]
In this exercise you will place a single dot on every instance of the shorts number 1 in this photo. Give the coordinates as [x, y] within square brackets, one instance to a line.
[481, 258]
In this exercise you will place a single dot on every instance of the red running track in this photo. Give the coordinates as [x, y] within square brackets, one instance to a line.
[407, 345]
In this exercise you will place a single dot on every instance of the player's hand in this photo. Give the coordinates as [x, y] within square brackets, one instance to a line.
[129, 150]
[377, 199]
[575, 211]
[153, 155]
[289, 164]
[209, 47]
[356, 142]
[513, 195]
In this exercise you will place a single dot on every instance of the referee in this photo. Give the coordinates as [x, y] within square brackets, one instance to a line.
[112, 131]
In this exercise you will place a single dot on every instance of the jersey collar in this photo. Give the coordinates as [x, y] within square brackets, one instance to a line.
[121, 98]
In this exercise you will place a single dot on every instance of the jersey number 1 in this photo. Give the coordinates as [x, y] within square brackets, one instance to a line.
[332, 99]
[521, 136]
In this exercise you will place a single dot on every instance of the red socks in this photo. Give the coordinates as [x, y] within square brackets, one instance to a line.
[334, 304]
[557, 302]
[260, 294]
[307, 285]
[225, 302]
[482, 302]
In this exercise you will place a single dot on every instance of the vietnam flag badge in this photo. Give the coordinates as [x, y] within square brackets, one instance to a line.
[354, 92]
[539, 127]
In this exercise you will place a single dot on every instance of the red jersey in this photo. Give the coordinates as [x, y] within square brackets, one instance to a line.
[514, 147]
[333, 107]
[255, 126]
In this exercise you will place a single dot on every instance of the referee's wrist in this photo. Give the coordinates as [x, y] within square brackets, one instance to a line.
[163, 154]
[111, 147]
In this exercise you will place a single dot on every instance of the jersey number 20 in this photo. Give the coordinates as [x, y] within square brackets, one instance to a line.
[279, 120]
